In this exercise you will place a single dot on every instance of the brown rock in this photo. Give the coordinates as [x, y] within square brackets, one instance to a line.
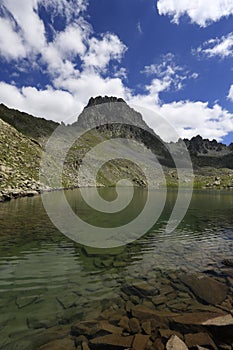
[144, 313]
[134, 325]
[85, 328]
[167, 333]
[85, 346]
[124, 323]
[60, 344]
[140, 342]
[175, 343]
[158, 344]
[199, 339]
[224, 320]
[202, 318]
[107, 327]
[206, 288]
[113, 340]
[146, 326]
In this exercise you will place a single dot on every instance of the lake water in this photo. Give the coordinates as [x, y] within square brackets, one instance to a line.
[48, 280]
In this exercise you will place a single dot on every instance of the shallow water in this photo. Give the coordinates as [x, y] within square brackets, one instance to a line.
[46, 279]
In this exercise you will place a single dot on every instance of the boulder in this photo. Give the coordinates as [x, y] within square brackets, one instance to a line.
[134, 326]
[207, 289]
[175, 343]
[113, 340]
[200, 338]
[140, 342]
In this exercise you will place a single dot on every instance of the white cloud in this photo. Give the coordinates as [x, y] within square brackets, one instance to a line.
[202, 12]
[230, 94]
[72, 86]
[11, 44]
[47, 103]
[100, 52]
[169, 73]
[139, 27]
[222, 47]
[26, 17]
[187, 117]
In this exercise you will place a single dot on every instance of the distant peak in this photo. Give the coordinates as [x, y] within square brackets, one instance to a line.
[103, 99]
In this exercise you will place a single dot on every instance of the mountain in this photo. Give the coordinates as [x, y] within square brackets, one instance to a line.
[38, 129]
[23, 138]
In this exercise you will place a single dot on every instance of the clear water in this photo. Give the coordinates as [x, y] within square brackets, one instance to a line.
[47, 279]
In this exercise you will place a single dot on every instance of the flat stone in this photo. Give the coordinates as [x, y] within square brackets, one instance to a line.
[205, 288]
[140, 342]
[85, 328]
[67, 300]
[175, 343]
[24, 301]
[144, 313]
[198, 318]
[107, 327]
[202, 339]
[60, 344]
[113, 340]
[225, 320]
[134, 326]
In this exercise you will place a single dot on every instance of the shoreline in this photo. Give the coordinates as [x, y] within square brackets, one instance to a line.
[7, 196]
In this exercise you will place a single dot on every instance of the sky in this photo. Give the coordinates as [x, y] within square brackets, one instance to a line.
[174, 57]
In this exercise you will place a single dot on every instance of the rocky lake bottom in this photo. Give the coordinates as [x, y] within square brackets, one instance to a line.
[162, 291]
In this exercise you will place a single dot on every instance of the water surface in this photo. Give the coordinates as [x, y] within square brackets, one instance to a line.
[47, 279]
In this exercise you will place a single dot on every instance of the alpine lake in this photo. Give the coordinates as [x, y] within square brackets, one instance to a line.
[55, 292]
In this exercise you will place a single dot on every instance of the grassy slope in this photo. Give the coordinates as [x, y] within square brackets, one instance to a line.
[35, 128]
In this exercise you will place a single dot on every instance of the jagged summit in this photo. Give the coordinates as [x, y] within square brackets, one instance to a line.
[103, 99]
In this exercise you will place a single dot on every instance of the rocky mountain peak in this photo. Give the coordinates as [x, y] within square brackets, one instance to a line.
[93, 101]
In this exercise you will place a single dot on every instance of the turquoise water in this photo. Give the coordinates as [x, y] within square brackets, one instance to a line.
[47, 279]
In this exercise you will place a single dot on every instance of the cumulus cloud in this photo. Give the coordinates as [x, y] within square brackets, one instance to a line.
[49, 103]
[200, 12]
[168, 73]
[222, 47]
[26, 17]
[102, 51]
[72, 84]
[187, 117]
[11, 43]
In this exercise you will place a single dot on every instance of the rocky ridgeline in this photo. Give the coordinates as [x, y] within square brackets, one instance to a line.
[22, 138]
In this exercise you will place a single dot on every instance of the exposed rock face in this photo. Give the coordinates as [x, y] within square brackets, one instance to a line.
[100, 100]
[209, 153]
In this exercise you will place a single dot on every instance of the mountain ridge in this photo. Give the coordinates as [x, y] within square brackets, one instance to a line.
[212, 160]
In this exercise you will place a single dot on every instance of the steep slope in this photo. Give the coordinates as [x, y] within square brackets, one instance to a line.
[38, 129]
[19, 162]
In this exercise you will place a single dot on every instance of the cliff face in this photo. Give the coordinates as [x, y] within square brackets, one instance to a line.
[210, 153]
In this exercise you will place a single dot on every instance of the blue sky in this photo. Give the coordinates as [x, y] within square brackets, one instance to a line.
[174, 57]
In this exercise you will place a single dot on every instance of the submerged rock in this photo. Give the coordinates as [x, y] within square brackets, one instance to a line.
[113, 340]
[205, 288]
